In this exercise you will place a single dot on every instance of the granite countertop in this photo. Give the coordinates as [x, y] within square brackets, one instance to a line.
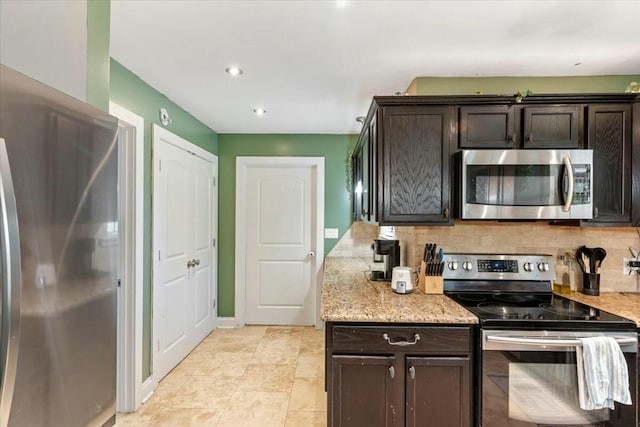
[348, 296]
[621, 303]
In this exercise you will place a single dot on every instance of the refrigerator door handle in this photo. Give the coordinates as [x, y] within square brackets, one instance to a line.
[11, 283]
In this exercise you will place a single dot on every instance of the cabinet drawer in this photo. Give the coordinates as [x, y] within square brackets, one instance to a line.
[410, 339]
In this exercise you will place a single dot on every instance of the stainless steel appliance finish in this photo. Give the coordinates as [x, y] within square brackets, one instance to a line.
[527, 356]
[529, 378]
[551, 340]
[59, 246]
[526, 184]
[499, 267]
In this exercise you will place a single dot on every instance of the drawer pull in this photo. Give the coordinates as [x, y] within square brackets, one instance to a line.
[392, 372]
[412, 372]
[416, 338]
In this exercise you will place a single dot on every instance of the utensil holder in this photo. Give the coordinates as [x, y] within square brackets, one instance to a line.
[429, 284]
[591, 284]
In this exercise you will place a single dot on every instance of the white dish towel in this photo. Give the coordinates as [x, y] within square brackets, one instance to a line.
[602, 373]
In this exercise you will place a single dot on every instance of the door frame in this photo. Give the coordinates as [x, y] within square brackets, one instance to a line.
[130, 390]
[161, 135]
[242, 166]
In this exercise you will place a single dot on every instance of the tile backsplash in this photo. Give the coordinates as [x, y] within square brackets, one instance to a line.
[542, 238]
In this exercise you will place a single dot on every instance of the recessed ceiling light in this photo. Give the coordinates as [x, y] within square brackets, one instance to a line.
[360, 119]
[234, 71]
[340, 4]
[260, 111]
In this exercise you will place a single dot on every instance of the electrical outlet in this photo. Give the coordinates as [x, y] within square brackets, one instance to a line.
[330, 233]
[627, 269]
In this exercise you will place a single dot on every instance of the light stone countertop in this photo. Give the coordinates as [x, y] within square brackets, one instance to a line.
[348, 296]
[623, 304]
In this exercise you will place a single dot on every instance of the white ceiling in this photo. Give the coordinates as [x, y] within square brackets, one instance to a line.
[314, 65]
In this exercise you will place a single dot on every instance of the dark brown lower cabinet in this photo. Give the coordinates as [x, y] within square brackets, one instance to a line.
[364, 390]
[399, 375]
[438, 392]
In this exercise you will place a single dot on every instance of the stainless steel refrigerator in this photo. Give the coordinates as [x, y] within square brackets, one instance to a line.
[59, 250]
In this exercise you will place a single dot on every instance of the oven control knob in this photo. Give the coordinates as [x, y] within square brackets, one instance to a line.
[543, 266]
[467, 265]
[527, 266]
[453, 265]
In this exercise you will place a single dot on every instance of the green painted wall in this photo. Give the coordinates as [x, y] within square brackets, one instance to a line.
[512, 85]
[98, 32]
[334, 149]
[130, 92]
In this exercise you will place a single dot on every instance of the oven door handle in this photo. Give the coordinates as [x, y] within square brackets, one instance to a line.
[569, 176]
[550, 343]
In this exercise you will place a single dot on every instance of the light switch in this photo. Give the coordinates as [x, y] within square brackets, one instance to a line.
[330, 233]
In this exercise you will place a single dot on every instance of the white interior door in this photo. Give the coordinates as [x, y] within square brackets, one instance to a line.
[184, 255]
[203, 218]
[281, 243]
[173, 233]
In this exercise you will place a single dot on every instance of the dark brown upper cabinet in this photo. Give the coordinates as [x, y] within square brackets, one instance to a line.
[365, 173]
[488, 126]
[610, 138]
[553, 126]
[403, 155]
[415, 171]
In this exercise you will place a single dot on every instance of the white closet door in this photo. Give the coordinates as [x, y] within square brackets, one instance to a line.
[203, 249]
[173, 242]
[185, 273]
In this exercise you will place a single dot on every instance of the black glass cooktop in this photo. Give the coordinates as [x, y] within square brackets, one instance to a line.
[546, 310]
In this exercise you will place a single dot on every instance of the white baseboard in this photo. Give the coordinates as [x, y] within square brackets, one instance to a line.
[227, 322]
[148, 387]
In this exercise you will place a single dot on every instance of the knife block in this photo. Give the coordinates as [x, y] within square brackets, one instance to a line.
[429, 284]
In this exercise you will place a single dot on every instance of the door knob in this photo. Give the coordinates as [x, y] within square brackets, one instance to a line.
[312, 254]
[196, 262]
[190, 263]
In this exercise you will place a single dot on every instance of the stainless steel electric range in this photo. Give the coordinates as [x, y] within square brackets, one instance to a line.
[527, 374]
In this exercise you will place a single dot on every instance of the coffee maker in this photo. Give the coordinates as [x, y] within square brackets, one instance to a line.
[390, 252]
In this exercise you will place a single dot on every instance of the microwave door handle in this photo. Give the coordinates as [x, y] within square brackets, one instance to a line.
[569, 174]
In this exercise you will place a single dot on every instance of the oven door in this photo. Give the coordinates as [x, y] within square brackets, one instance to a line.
[526, 184]
[529, 378]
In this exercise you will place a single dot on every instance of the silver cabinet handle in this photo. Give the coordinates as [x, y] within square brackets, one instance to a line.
[392, 372]
[416, 338]
[11, 283]
[412, 373]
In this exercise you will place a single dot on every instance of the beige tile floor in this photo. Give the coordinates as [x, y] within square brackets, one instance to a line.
[257, 376]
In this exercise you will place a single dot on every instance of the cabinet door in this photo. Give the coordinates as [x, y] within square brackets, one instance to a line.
[356, 164]
[366, 176]
[609, 136]
[553, 127]
[487, 127]
[365, 392]
[438, 392]
[415, 145]
[373, 170]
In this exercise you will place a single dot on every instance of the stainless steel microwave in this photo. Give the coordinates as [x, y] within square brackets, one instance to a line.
[525, 184]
